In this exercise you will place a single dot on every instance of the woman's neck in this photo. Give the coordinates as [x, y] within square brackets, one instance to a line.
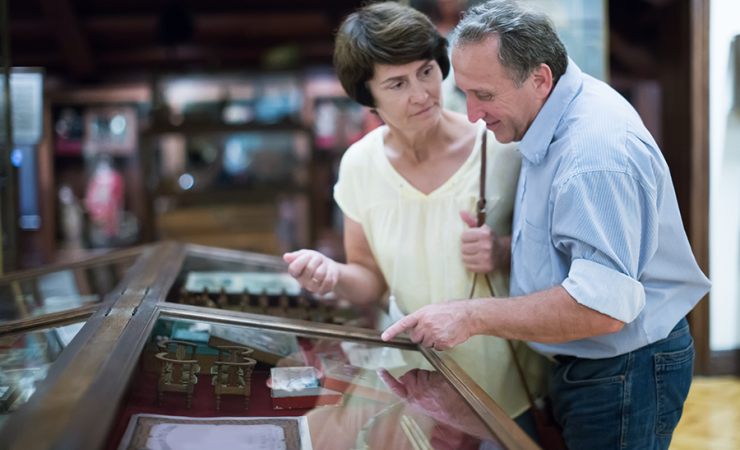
[422, 145]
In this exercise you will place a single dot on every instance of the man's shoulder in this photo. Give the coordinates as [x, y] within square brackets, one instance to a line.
[601, 131]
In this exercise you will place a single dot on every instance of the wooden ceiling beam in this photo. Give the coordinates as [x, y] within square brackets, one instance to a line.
[61, 17]
[98, 7]
[39, 59]
[291, 25]
[197, 53]
[30, 29]
[146, 57]
[208, 27]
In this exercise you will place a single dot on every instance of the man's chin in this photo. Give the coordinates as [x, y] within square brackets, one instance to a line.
[501, 136]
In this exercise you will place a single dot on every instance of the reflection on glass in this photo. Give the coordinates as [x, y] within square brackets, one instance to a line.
[25, 359]
[352, 395]
[59, 291]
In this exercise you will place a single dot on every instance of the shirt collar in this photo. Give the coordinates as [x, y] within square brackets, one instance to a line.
[537, 139]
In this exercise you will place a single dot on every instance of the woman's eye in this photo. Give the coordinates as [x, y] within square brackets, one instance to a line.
[397, 85]
[428, 71]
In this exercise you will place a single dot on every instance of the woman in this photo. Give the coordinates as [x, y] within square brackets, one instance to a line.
[408, 190]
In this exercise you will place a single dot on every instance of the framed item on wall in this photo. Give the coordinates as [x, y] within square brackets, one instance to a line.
[110, 129]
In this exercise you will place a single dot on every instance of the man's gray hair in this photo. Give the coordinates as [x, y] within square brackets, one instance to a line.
[527, 37]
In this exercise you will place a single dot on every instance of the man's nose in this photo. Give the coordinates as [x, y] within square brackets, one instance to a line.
[475, 112]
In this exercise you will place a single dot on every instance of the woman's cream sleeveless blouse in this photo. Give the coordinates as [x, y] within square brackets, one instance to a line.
[415, 239]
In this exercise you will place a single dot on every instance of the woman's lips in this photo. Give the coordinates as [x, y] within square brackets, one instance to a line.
[424, 110]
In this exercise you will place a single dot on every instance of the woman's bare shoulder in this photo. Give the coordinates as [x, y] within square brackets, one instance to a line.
[363, 150]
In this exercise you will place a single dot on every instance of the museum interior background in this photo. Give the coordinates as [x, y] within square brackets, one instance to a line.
[221, 123]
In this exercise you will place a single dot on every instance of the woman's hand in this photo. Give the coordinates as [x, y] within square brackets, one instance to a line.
[483, 250]
[314, 271]
[477, 245]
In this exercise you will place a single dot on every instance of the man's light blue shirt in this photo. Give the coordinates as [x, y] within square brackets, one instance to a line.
[596, 213]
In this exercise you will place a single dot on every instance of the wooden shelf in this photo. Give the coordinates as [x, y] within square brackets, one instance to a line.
[199, 128]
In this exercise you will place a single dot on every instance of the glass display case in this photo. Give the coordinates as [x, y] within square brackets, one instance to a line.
[196, 347]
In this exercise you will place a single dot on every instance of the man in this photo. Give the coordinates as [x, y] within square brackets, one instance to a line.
[602, 273]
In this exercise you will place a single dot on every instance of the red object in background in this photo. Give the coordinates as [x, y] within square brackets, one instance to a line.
[66, 147]
[104, 199]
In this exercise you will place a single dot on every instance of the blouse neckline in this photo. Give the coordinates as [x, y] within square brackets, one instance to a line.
[402, 181]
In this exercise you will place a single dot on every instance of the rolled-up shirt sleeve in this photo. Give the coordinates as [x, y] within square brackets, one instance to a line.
[606, 224]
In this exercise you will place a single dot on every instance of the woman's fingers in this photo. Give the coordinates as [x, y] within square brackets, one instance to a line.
[291, 256]
[468, 219]
[476, 249]
[318, 277]
[469, 249]
[330, 279]
[313, 270]
[320, 272]
[298, 265]
[313, 264]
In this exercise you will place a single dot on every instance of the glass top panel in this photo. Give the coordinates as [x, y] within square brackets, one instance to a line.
[25, 359]
[61, 290]
[297, 392]
[259, 286]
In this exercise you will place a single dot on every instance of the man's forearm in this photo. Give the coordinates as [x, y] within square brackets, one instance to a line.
[547, 317]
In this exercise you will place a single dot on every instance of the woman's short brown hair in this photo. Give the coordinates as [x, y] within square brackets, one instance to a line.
[384, 33]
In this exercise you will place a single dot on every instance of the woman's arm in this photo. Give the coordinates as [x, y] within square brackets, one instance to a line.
[359, 281]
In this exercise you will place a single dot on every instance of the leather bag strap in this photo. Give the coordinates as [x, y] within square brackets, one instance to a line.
[481, 210]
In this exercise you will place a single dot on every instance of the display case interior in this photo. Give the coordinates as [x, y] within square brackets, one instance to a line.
[349, 394]
[239, 281]
[145, 369]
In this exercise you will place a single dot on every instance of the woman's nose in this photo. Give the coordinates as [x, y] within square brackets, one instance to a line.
[419, 94]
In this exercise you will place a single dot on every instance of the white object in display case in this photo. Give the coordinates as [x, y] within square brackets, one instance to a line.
[157, 432]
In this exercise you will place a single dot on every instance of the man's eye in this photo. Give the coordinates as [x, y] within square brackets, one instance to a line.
[484, 97]
[397, 85]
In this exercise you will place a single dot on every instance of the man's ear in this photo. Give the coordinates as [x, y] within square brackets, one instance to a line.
[542, 79]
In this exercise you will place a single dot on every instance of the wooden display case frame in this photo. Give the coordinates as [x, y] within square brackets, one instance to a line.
[79, 402]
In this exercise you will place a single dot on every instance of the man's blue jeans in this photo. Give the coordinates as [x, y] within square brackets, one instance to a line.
[632, 401]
